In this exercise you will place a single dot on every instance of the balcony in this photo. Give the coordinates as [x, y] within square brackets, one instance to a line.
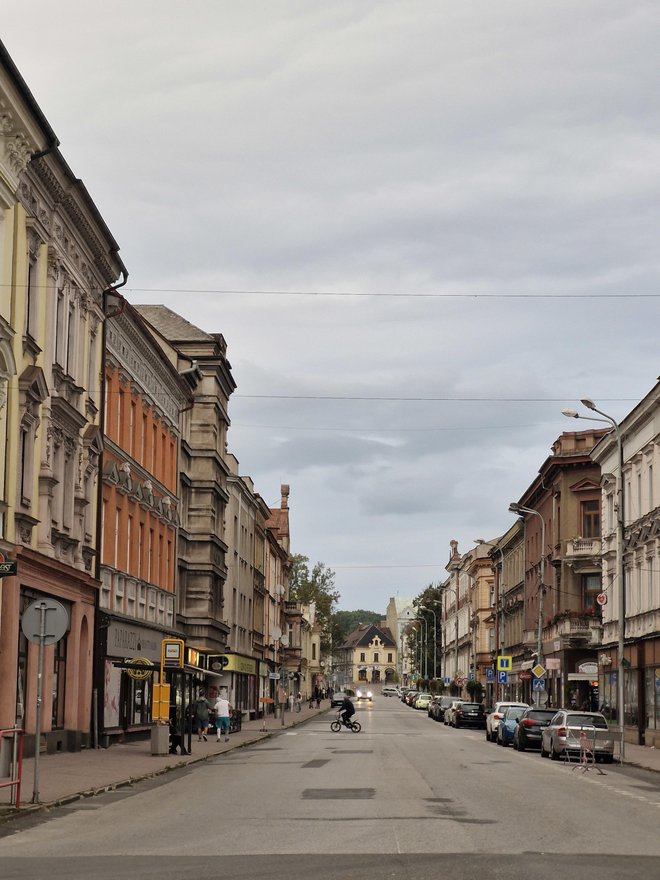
[583, 553]
[575, 631]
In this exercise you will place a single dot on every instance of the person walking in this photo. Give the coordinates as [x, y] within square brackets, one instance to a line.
[202, 706]
[223, 716]
[317, 696]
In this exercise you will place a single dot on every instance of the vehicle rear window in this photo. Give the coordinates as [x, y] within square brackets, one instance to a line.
[470, 705]
[586, 721]
[542, 714]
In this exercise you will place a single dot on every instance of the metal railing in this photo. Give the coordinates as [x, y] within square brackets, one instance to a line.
[16, 765]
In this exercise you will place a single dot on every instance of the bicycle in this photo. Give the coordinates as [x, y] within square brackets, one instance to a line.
[338, 723]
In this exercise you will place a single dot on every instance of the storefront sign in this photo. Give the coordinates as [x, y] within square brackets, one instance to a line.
[125, 639]
[246, 665]
[589, 668]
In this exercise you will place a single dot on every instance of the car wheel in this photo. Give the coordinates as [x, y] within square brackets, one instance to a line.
[544, 754]
[553, 754]
[487, 737]
[520, 746]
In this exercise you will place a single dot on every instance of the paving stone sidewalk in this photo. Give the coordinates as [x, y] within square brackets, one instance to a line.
[66, 776]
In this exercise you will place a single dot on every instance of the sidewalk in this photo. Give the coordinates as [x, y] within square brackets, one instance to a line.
[68, 776]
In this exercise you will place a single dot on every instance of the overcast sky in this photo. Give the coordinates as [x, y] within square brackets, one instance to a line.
[424, 228]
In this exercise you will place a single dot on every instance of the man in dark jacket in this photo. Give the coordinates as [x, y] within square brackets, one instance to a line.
[347, 710]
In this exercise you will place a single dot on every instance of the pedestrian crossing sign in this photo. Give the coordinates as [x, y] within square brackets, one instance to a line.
[504, 664]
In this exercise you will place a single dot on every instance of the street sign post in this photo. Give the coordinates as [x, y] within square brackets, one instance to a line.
[504, 664]
[44, 622]
[538, 671]
[538, 684]
[502, 677]
[490, 674]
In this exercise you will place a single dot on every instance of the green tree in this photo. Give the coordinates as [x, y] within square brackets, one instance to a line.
[344, 622]
[315, 584]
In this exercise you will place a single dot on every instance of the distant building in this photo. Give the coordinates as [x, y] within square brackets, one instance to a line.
[369, 655]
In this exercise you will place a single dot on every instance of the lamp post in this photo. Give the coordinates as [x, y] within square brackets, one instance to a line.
[435, 637]
[519, 508]
[497, 603]
[425, 651]
[620, 570]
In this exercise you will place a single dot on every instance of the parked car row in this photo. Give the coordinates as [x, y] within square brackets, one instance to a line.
[554, 732]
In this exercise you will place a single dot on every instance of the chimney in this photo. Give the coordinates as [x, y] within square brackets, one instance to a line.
[284, 489]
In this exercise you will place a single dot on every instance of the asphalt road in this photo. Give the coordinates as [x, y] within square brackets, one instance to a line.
[406, 798]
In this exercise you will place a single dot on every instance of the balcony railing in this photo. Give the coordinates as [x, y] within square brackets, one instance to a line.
[583, 547]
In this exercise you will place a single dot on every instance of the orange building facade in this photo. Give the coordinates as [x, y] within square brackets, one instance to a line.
[144, 396]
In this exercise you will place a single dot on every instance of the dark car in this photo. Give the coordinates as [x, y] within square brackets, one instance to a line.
[529, 732]
[470, 715]
[438, 707]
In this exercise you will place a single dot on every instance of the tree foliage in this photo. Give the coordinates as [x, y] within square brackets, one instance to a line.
[315, 584]
[344, 622]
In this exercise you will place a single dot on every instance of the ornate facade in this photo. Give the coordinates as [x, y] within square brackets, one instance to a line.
[57, 258]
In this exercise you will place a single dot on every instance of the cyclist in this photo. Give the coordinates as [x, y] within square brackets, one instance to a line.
[347, 710]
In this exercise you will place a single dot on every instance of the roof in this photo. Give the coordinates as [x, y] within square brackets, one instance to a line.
[366, 633]
[172, 326]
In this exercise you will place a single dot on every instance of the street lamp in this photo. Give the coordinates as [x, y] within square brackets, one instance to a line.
[435, 637]
[497, 603]
[425, 653]
[620, 571]
[519, 508]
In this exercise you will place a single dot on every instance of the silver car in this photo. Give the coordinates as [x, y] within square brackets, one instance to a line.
[569, 731]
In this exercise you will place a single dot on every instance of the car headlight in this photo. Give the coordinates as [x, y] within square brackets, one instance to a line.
[359, 693]
[369, 694]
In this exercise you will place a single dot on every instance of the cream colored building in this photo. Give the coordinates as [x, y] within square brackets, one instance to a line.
[57, 258]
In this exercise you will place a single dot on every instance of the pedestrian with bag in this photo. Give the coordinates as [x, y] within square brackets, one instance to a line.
[202, 706]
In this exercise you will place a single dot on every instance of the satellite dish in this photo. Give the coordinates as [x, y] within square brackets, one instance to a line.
[279, 589]
[275, 633]
[284, 641]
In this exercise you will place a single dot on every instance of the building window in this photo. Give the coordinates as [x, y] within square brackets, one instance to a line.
[390, 657]
[363, 657]
[591, 519]
[590, 589]
[376, 656]
[59, 679]
[313, 651]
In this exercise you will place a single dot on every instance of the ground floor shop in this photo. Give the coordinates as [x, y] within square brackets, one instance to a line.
[127, 666]
[66, 708]
[641, 689]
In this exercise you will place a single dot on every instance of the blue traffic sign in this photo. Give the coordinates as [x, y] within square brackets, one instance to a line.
[472, 676]
[490, 674]
[502, 677]
[538, 684]
[447, 681]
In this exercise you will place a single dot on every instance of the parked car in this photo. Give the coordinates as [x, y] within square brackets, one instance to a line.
[422, 701]
[450, 712]
[390, 691]
[562, 735]
[529, 730]
[363, 694]
[470, 715]
[438, 707]
[404, 693]
[493, 718]
[411, 696]
[507, 725]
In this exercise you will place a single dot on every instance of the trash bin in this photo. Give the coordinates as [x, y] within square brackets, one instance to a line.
[160, 739]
